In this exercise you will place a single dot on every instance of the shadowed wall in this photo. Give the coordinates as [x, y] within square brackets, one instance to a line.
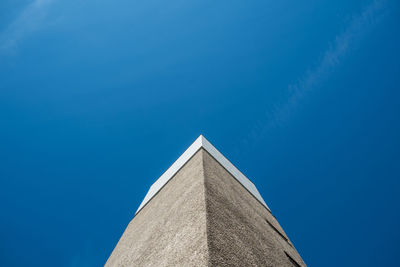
[240, 230]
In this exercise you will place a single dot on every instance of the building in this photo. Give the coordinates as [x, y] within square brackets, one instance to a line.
[204, 212]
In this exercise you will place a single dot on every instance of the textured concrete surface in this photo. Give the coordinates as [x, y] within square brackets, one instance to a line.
[204, 217]
[240, 230]
[171, 229]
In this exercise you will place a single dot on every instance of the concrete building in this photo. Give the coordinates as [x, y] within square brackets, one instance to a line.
[204, 212]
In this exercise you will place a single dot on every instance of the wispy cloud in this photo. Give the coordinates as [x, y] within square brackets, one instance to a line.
[335, 53]
[27, 22]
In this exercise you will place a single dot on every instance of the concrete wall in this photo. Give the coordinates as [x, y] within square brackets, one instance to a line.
[240, 230]
[204, 217]
[171, 229]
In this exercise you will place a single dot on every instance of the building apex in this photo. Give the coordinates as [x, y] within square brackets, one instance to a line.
[200, 142]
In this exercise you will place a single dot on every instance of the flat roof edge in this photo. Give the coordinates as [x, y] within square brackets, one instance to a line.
[200, 142]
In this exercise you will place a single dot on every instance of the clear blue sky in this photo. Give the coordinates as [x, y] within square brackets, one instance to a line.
[99, 97]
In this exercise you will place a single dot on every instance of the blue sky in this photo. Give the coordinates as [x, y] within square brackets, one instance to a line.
[98, 98]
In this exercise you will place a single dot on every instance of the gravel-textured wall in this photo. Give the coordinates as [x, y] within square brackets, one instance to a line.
[171, 229]
[240, 230]
[204, 217]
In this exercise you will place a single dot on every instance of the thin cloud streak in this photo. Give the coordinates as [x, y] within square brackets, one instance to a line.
[28, 21]
[333, 56]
